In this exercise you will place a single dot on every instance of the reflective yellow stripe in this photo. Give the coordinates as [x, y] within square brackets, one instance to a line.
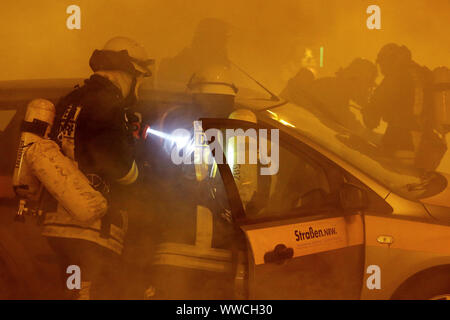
[192, 263]
[116, 232]
[131, 176]
[61, 224]
[193, 251]
[203, 236]
[193, 257]
[214, 170]
[62, 217]
[84, 234]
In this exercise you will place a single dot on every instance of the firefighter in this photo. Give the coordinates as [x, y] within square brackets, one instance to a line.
[404, 101]
[94, 127]
[296, 85]
[194, 227]
[208, 47]
[213, 94]
[252, 186]
[435, 124]
[330, 97]
[213, 90]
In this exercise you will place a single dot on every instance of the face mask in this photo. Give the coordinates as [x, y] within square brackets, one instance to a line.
[131, 100]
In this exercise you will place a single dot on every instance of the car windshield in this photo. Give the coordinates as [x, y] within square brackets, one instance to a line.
[362, 153]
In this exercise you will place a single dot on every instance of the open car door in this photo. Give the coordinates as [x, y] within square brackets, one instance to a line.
[301, 242]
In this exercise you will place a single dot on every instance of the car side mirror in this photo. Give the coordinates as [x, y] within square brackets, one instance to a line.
[353, 197]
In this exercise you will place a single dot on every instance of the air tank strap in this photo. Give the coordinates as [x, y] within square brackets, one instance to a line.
[38, 127]
[105, 225]
[106, 220]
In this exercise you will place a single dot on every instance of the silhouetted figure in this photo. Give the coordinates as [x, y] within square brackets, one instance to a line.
[184, 223]
[208, 47]
[329, 97]
[294, 90]
[93, 128]
[404, 101]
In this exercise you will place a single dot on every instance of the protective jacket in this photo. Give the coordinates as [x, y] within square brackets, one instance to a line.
[91, 128]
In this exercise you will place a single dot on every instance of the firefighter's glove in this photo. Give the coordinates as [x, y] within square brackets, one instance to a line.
[134, 125]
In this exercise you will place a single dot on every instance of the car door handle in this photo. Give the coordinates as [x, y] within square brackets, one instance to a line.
[279, 254]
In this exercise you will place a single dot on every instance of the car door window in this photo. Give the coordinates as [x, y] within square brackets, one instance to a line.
[297, 176]
[288, 189]
[297, 183]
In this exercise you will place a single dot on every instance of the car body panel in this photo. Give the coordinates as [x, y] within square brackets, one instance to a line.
[346, 231]
[324, 266]
[407, 208]
[439, 213]
[416, 246]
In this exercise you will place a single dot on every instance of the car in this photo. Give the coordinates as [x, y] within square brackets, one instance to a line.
[333, 214]
[338, 220]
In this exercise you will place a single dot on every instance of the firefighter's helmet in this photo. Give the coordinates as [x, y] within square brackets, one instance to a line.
[121, 53]
[215, 79]
[393, 56]
[361, 70]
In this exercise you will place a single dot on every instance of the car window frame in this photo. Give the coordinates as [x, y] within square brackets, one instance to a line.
[297, 148]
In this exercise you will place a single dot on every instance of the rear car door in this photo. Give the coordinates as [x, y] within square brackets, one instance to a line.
[300, 242]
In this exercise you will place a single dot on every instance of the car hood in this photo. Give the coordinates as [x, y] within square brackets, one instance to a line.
[360, 153]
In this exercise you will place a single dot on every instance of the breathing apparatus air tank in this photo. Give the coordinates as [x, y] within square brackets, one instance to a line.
[441, 97]
[36, 125]
[65, 182]
[245, 174]
[41, 169]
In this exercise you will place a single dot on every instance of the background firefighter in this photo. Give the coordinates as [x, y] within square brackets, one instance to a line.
[330, 97]
[195, 229]
[93, 126]
[404, 100]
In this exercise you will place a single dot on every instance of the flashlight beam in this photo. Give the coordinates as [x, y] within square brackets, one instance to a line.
[180, 141]
[160, 134]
